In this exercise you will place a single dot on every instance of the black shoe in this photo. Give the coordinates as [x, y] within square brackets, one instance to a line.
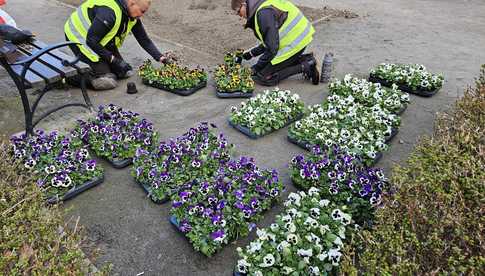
[265, 81]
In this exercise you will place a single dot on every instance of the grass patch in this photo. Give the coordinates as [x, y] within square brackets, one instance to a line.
[34, 239]
[435, 222]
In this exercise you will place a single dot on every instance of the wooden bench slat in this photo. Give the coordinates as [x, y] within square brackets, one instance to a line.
[31, 78]
[60, 55]
[41, 69]
[51, 62]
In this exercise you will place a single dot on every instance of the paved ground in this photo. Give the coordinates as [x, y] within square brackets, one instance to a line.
[134, 234]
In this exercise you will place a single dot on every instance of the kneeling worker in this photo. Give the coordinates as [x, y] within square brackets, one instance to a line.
[284, 33]
[101, 26]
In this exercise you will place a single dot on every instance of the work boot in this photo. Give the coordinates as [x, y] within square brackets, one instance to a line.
[104, 82]
[310, 70]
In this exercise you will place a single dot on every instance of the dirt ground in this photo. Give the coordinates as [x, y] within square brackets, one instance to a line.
[209, 25]
[134, 235]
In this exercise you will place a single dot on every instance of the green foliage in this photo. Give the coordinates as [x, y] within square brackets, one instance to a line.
[172, 75]
[435, 222]
[34, 239]
[232, 77]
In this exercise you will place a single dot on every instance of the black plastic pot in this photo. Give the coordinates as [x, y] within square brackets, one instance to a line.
[76, 190]
[120, 164]
[233, 94]
[393, 134]
[148, 190]
[181, 92]
[401, 111]
[302, 144]
[405, 88]
[252, 135]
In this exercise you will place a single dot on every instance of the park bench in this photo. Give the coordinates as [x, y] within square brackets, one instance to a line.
[33, 65]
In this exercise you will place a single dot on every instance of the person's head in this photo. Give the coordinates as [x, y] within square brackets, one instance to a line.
[241, 7]
[136, 8]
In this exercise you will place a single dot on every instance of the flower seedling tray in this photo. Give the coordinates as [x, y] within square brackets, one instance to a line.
[148, 191]
[119, 164]
[393, 134]
[233, 94]
[181, 92]
[405, 88]
[306, 146]
[252, 135]
[76, 190]
[302, 144]
[401, 111]
[173, 220]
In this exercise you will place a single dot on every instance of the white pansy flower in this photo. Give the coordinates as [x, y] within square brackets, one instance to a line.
[268, 261]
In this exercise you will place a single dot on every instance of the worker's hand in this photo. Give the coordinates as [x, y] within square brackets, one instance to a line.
[247, 55]
[168, 57]
[120, 67]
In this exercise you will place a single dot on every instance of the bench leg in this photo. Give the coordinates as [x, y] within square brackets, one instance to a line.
[84, 77]
[29, 128]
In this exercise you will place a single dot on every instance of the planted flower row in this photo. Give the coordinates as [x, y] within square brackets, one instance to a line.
[214, 211]
[61, 165]
[233, 78]
[173, 77]
[116, 134]
[194, 155]
[412, 78]
[306, 239]
[342, 178]
[267, 112]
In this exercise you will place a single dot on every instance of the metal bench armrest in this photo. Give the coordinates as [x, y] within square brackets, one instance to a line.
[28, 61]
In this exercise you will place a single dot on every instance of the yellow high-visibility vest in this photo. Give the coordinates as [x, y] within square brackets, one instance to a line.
[77, 26]
[295, 34]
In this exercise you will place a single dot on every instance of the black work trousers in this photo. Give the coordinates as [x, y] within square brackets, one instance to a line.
[101, 67]
[271, 74]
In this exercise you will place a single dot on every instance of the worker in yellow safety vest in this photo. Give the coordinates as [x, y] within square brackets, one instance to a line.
[284, 33]
[101, 26]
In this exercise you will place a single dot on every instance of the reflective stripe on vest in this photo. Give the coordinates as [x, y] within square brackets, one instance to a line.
[294, 35]
[78, 24]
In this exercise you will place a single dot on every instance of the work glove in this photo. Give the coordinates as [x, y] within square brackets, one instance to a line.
[168, 57]
[247, 55]
[120, 67]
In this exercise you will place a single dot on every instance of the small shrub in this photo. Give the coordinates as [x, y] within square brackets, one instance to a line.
[435, 222]
[34, 240]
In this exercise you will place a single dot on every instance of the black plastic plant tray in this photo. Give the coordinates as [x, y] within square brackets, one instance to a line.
[252, 135]
[302, 144]
[378, 157]
[401, 111]
[76, 190]
[405, 88]
[173, 220]
[234, 94]
[120, 164]
[148, 191]
[393, 134]
[181, 92]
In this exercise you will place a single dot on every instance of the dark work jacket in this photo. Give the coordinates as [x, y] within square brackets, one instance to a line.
[270, 20]
[103, 20]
